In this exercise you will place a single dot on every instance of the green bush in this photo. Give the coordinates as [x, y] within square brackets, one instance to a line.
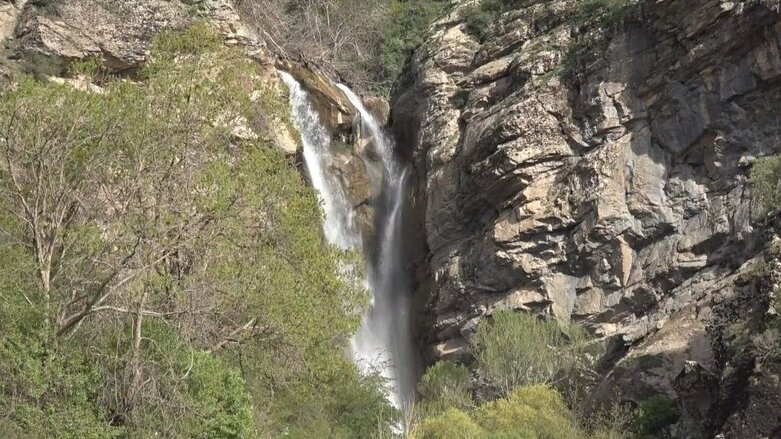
[656, 414]
[479, 17]
[197, 39]
[533, 411]
[452, 424]
[766, 182]
[221, 404]
[536, 412]
[520, 349]
[445, 385]
[460, 98]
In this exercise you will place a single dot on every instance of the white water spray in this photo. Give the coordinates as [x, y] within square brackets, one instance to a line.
[384, 342]
[384, 339]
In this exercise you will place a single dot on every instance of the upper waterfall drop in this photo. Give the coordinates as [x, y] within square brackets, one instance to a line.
[340, 228]
[384, 342]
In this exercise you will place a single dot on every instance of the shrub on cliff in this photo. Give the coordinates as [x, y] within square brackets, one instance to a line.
[402, 33]
[766, 182]
[480, 16]
[516, 349]
[655, 415]
[605, 12]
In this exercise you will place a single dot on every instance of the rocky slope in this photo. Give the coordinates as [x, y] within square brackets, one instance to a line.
[601, 176]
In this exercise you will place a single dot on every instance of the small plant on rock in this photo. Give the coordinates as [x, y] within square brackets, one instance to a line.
[460, 99]
[655, 415]
[766, 182]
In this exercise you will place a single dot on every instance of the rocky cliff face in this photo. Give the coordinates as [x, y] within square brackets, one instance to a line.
[601, 176]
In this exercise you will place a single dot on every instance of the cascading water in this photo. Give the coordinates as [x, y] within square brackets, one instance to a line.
[339, 226]
[384, 339]
[384, 342]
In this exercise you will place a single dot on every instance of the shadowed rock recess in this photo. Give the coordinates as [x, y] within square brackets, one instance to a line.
[601, 176]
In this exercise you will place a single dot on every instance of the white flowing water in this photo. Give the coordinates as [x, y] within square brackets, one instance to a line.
[383, 343]
[384, 340]
[340, 228]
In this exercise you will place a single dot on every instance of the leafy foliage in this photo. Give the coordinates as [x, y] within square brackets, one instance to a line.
[445, 385]
[529, 412]
[453, 423]
[403, 33]
[766, 182]
[520, 349]
[178, 266]
[534, 411]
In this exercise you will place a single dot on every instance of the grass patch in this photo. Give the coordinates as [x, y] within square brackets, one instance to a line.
[605, 12]
[479, 17]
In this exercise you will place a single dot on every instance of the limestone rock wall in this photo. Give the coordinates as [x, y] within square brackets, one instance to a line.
[599, 177]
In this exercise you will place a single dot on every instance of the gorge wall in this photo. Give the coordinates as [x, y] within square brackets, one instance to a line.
[601, 176]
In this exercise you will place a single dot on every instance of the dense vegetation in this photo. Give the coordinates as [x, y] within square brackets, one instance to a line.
[161, 277]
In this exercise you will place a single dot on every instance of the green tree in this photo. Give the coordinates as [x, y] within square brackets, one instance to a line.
[451, 424]
[535, 412]
[445, 385]
[521, 349]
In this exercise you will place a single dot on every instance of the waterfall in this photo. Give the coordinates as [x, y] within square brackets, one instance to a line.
[384, 342]
[339, 227]
[384, 339]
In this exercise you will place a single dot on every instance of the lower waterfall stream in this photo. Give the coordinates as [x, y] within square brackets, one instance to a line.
[384, 341]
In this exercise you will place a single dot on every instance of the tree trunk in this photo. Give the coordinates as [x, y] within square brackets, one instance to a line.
[136, 372]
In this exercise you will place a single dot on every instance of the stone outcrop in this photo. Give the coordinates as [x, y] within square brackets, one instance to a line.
[117, 31]
[601, 176]
[51, 34]
[9, 15]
